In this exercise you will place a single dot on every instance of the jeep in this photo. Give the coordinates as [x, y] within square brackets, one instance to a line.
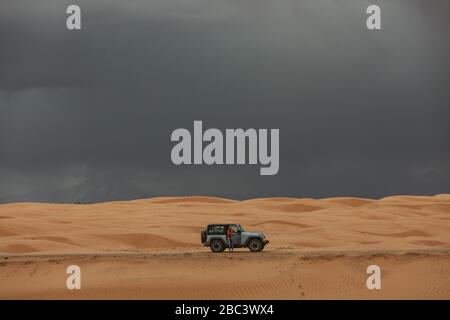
[214, 236]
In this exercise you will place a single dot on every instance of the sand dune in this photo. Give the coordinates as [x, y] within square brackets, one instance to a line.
[399, 222]
[333, 229]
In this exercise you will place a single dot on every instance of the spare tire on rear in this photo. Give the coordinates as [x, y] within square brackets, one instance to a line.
[203, 236]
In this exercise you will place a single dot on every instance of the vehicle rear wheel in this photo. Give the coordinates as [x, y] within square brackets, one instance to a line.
[217, 246]
[255, 245]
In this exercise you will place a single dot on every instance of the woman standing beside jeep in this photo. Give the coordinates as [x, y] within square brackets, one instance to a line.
[230, 241]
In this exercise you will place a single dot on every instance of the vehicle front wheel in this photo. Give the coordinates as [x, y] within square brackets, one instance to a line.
[255, 245]
[217, 246]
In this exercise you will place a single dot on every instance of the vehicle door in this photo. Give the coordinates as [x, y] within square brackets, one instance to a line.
[236, 236]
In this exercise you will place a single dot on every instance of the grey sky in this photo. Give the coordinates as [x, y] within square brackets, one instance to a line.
[87, 115]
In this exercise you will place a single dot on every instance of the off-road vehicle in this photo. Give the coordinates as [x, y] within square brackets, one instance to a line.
[214, 236]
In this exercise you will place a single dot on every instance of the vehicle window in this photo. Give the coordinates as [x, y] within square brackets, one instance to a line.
[240, 228]
[217, 229]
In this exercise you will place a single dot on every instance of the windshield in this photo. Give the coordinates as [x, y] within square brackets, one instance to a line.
[240, 228]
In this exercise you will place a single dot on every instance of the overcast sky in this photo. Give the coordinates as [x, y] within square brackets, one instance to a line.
[87, 115]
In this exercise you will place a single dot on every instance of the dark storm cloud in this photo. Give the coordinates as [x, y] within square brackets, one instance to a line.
[87, 115]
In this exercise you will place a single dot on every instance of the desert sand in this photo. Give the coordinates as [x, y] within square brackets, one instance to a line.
[150, 249]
